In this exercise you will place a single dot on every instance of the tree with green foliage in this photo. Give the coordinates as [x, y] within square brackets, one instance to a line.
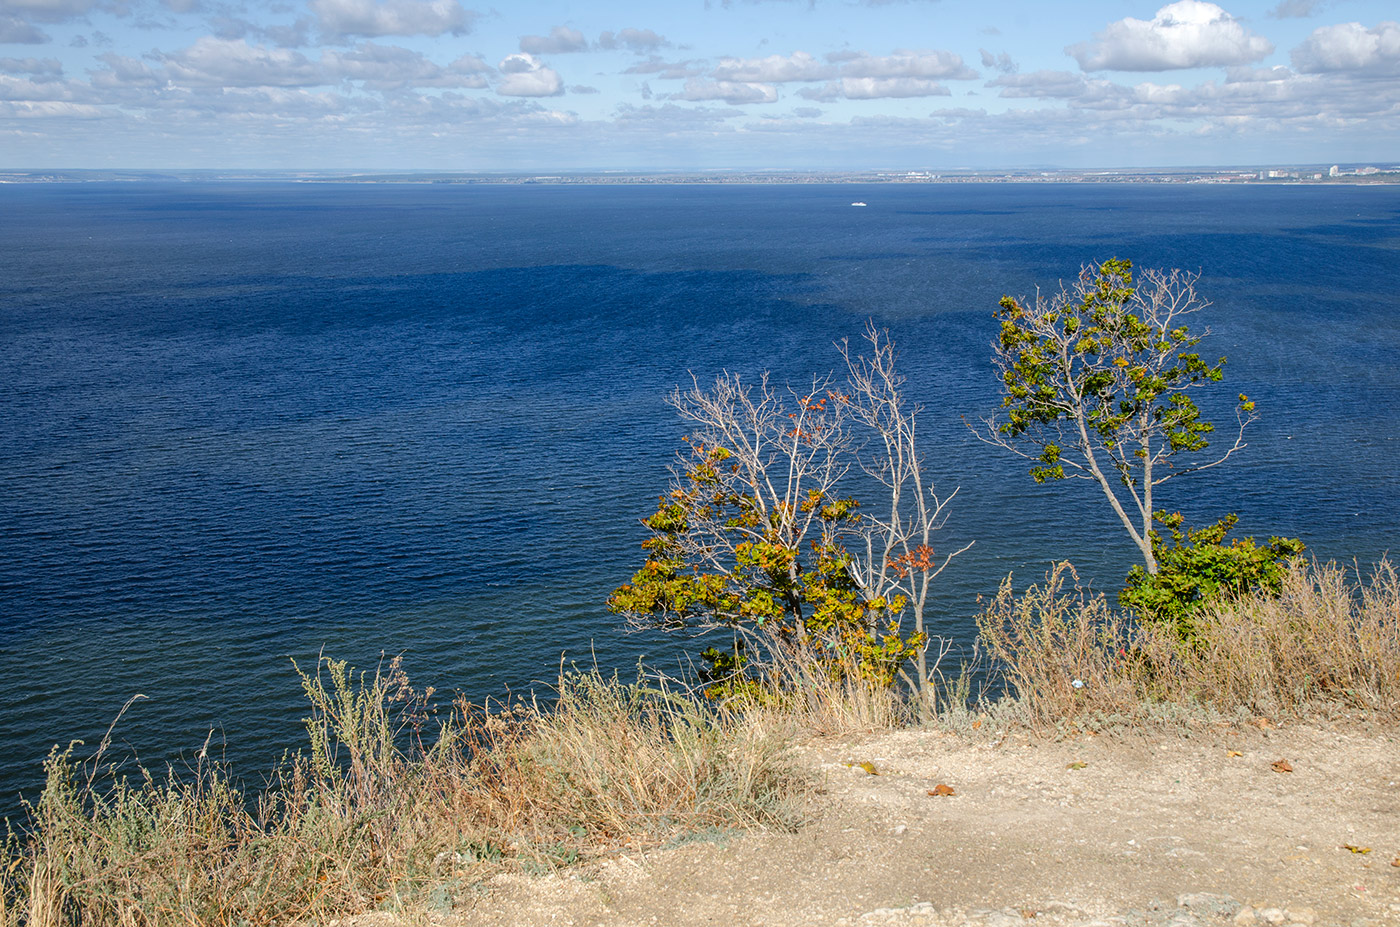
[757, 534]
[1096, 382]
[1199, 567]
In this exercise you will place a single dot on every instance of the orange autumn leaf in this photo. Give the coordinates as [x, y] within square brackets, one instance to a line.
[941, 790]
[1282, 766]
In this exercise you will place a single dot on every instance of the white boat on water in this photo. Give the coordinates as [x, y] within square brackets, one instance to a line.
[857, 203]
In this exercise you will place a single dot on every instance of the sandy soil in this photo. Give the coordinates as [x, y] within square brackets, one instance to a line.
[1175, 830]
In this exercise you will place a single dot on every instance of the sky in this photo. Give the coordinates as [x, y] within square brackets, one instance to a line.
[690, 85]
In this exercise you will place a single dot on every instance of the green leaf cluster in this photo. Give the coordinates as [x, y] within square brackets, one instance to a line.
[1198, 567]
[753, 578]
[1102, 357]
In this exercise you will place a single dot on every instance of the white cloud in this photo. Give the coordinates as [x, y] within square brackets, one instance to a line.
[561, 40]
[20, 88]
[1352, 48]
[340, 19]
[734, 93]
[667, 70]
[775, 69]
[469, 64]
[294, 35]
[1001, 62]
[527, 76]
[1042, 85]
[15, 31]
[49, 110]
[1247, 75]
[637, 40]
[389, 67]
[876, 88]
[223, 63]
[44, 69]
[123, 72]
[931, 65]
[1185, 34]
[47, 11]
[669, 116]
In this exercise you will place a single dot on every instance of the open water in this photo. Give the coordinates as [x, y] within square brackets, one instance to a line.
[245, 423]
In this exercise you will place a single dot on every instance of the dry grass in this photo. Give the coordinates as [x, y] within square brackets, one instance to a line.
[816, 695]
[1061, 650]
[1326, 641]
[396, 807]
[380, 815]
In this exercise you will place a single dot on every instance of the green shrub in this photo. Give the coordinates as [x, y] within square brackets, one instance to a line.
[1198, 567]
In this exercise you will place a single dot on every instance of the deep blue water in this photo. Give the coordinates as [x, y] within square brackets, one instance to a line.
[243, 423]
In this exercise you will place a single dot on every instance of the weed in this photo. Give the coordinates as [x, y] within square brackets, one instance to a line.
[1317, 642]
[384, 813]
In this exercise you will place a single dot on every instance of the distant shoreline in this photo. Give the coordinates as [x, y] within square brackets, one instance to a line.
[1308, 175]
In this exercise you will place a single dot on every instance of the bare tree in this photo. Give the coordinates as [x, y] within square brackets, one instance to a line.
[1095, 383]
[755, 533]
[899, 560]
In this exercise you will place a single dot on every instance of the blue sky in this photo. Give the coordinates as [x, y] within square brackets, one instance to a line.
[695, 85]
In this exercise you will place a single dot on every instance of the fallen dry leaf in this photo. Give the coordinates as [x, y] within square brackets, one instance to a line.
[1282, 766]
[1076, 765]
[976, 725]
[869, 767]
[941, 790]
[1354, 849]
[1395, 862]
[1262, 723]
[1234, 753]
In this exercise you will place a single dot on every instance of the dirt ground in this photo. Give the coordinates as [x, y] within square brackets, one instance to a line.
[1177, 830]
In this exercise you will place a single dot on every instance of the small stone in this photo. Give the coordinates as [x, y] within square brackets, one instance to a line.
[1272, 916]
[899, 830]
[1304, 916]
[1245, 917]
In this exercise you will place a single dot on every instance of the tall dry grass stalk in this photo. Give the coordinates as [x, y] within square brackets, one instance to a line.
[815, 694]
[1061, 650]
[392, 808]
[1324, 641]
